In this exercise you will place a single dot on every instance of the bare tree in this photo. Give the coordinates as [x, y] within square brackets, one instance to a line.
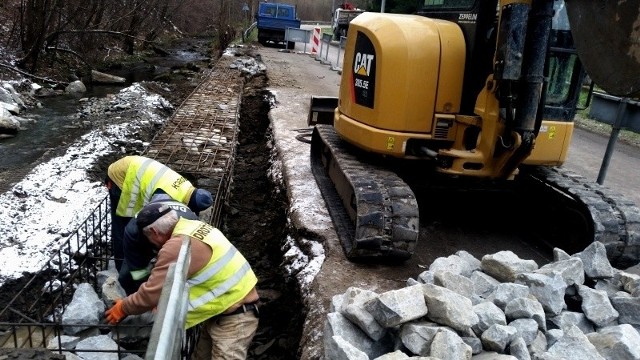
[84, 32]
[85, 28]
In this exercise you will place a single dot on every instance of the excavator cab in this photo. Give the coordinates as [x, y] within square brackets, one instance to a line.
[565, 73]
[478, 21]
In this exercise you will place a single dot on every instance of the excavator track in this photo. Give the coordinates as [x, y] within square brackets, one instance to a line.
[380, 218]
[607, 216]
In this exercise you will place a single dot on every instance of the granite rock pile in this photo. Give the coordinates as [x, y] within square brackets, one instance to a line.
[499, 307]
[84, 327]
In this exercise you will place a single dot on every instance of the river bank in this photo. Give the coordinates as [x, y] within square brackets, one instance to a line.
[52, 121]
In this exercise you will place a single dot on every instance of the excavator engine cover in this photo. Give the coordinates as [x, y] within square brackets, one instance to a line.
[400, 72]
[607, 38]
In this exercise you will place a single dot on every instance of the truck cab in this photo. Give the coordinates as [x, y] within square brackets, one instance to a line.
[273, 19]
[342, 16]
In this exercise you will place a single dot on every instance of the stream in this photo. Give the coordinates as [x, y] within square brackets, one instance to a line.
[54, 124]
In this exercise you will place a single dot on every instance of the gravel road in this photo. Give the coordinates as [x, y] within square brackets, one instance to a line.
[623, 174]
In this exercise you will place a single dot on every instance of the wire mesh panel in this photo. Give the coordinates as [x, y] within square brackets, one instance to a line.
[199, 141]
[33, 318]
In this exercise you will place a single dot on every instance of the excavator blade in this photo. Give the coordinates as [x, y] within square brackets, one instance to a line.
[607, 38]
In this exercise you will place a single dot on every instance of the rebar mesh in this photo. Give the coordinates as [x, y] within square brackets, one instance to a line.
[199, 140]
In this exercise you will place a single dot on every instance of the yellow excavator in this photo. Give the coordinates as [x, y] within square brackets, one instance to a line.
[472, 92]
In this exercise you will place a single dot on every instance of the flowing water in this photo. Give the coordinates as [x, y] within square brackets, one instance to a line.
[54, 125]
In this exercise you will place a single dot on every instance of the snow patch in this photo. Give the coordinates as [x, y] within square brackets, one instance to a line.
[57, 196]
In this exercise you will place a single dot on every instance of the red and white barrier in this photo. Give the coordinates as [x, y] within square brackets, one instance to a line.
[315, 41]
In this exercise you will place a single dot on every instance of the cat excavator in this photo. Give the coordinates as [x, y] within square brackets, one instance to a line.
[470, 92]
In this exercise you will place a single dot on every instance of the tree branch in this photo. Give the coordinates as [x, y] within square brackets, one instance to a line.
[69, 51]
[110, 32]
[12, 68]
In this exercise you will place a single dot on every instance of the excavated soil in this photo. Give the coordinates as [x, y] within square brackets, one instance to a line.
[256, 223]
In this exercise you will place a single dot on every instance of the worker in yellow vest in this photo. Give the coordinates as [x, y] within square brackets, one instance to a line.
[222, 293]
[132, 181]
[138, 253]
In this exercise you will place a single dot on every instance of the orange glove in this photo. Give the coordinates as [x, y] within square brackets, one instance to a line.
[115, 314]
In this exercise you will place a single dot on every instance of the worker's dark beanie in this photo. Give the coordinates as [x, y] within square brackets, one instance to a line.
[150, 213]
[200, 200]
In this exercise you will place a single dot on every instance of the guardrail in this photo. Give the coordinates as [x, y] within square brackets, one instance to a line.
[245, 34]
[330, 54]
[166, 340]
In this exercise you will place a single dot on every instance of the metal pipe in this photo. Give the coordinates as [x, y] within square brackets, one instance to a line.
[615, 131]
[536, 47]
[169, 324]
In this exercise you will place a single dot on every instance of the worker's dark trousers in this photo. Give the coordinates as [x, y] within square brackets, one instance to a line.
[118, 224]
[138, 253]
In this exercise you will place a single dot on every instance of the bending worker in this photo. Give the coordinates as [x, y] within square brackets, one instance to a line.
[132, 181]
[138, 251]
[222, 293]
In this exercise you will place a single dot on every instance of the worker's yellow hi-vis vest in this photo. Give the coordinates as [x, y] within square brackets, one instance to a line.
[225, 280]
[143, 177]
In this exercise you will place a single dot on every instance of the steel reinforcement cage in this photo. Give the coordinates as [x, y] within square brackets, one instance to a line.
[33, 317]
[198, 141]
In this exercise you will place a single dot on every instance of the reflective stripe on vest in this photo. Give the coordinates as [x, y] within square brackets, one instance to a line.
[143, 177]
[221, 289]
[140, 274]
[225, 280]
[214, 269]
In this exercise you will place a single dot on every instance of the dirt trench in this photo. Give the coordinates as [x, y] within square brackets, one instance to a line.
[255, 222]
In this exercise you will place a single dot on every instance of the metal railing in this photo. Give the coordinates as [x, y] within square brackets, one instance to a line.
[247, 32]
[166, 340]
[33, 317]
[330, 54]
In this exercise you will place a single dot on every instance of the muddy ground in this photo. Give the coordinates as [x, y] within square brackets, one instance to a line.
[254, 218]
[255, 222]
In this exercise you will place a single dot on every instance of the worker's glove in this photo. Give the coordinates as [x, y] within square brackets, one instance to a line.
[115, 314]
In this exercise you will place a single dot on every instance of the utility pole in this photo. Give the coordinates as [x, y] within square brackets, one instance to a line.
[333, 11]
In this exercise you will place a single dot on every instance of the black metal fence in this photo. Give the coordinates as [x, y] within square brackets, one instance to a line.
[33, 317]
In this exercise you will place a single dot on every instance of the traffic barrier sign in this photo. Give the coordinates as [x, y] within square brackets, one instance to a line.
[315, 43]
